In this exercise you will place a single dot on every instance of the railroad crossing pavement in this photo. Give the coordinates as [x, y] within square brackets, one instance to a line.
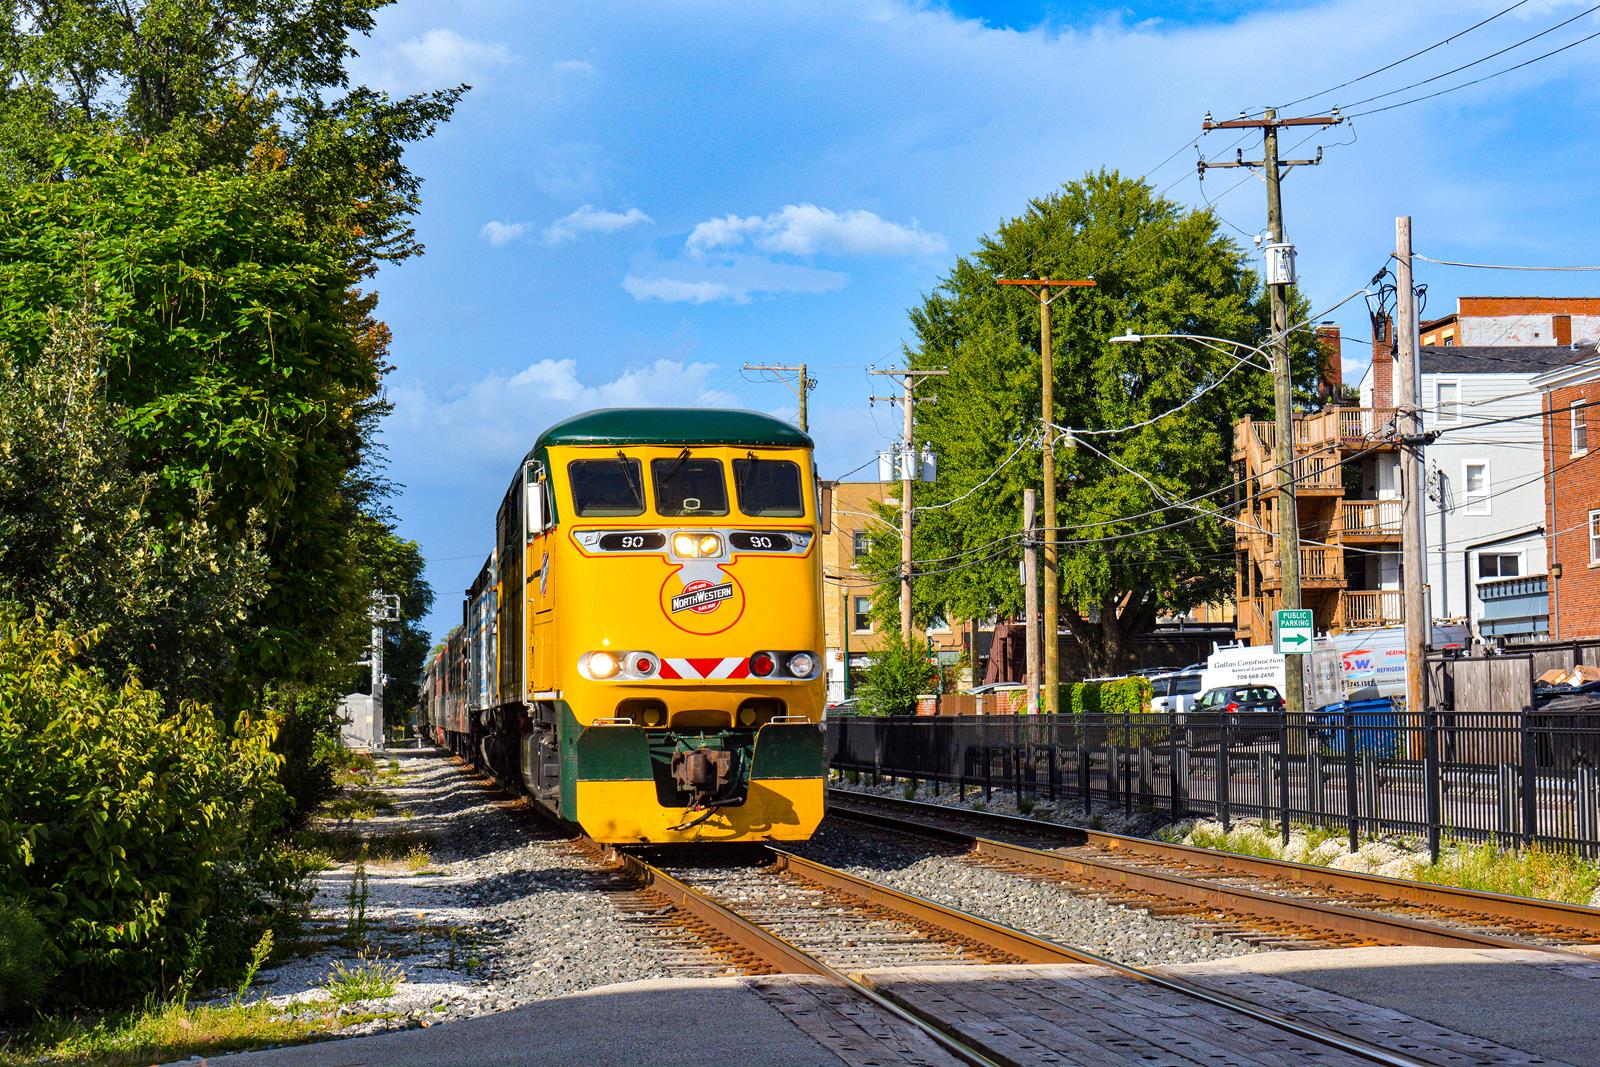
[1544, 1003]
[1442, 1006]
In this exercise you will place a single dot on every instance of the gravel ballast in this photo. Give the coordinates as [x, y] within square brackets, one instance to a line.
[506, 911]
[1123, 934]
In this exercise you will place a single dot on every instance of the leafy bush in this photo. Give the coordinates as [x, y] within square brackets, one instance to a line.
[1131, 695]
[899, 673]
[25, 959]
[127, 827]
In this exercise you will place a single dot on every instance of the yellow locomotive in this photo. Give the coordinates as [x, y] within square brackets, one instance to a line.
[641, 652]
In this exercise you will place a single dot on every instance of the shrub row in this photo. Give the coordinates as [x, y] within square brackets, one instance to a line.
[1130, 695]
[127, 830]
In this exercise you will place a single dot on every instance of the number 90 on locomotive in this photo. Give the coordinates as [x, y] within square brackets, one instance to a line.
[641, 652]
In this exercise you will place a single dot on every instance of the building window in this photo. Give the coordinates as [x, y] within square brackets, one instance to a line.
[1580, 428]
[1500, 565]
[1447, 401]
[1594, 537]
[858, 543]
[862, 623]
[1475, 480]
[938, 625]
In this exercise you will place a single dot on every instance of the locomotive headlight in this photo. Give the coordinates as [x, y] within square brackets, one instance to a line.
[710, 545]
[686, 545]
[602, 665]
[801, 664]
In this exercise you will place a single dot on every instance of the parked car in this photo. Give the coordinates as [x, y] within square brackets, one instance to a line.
[848, 706]
[1254, 711]
[1175, 691]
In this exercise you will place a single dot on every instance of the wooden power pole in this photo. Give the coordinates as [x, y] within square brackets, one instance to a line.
[803, 383]
[1280, 275]
[1413, 575]
[1030, 595]
[909, 463]
[1051, 638]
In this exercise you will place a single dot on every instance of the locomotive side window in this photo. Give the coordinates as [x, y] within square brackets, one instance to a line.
[768, 487]
[602, 487]
[687, 486]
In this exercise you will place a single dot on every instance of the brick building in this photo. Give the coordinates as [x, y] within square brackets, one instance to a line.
[847, 622]
[1572, 485]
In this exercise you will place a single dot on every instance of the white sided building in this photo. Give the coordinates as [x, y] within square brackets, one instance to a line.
[1485, 509]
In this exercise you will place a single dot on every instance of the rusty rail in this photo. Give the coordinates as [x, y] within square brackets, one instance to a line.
[1548, 915]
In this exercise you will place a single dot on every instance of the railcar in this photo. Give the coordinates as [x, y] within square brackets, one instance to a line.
[641, 651]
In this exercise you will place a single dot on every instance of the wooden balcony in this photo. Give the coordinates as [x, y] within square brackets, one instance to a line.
[1370, 520]
[1318, 474]
[1363, 608]
[1320, 566]
[1335, 427]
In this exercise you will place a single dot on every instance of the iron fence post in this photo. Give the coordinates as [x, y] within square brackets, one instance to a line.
[1430, 781]
[988, 773]
[1283, 778]
[1224, 782]
[1172, 765]
[1127, 762]
[1530, 783]
[1351, 809]
[1083, 778]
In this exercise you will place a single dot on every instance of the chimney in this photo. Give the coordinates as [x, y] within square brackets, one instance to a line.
[1383, 362]
[1332, 376]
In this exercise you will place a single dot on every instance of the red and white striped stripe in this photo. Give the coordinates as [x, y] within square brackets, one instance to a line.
[727, 667]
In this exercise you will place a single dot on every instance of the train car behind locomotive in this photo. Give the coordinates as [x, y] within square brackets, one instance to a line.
[641, 653]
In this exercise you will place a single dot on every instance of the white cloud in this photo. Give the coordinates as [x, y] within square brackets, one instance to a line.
[806, 229]
[589, 219]
[443, 56]
[500, 233]
[735, 279]
[573, 66]
[492, 420]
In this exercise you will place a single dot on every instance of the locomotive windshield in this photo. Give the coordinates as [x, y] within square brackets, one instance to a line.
[769, 487]
[687, 486]
[603, 487]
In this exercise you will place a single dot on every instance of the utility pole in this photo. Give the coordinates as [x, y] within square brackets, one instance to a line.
[909, 462]
[1030, 595]
[1047, 413]
[1413, 576]
[803, 384]
[1280, 275]
[383, 609]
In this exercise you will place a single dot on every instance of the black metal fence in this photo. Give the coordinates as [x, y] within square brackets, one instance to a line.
[1506, 776]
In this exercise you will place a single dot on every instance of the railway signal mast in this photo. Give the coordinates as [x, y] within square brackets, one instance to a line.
[1280, 275]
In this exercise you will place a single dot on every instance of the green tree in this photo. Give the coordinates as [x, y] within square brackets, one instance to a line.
[900, 671]
[1127, 551]
[78, 540]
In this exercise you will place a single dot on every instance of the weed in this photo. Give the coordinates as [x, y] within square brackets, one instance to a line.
[370, 978]
[1540, 871]
[419, 859]
[1026, 804]
[258, 956]
[164, 1033]
[355, 931]
[910, 789]
[1097, 823]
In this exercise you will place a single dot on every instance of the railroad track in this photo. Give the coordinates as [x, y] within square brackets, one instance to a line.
[1284, 904]
[795, 916]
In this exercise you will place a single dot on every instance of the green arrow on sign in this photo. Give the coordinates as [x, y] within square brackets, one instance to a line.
[1296, 639]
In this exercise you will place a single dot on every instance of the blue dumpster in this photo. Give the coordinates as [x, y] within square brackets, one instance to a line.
[1376, 727]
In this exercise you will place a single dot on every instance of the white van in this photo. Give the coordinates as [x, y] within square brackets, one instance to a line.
[1174, 693]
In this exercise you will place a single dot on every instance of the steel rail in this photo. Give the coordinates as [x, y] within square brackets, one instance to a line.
[971, 926]
[785, 956]
[1577, 918]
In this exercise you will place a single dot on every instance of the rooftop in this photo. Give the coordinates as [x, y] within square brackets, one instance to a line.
[672, 426]
[1501, 359]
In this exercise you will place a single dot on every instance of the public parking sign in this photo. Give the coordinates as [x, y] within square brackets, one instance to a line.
[1292, 631]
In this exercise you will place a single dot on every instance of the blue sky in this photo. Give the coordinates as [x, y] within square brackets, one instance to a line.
[637, 198]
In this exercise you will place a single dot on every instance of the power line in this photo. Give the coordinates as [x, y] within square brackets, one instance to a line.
[1409, 58]
[1492, 266]
[1479, 81]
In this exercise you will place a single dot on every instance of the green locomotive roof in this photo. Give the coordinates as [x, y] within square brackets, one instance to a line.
[671, 426]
